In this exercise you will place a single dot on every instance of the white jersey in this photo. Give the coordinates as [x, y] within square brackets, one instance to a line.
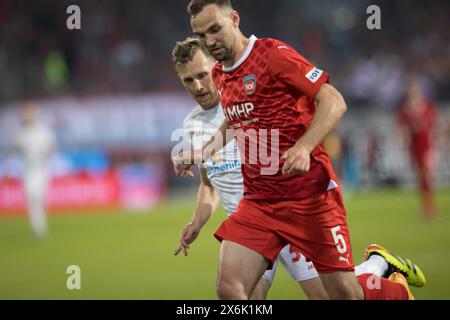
[224, 171]
[35, 144]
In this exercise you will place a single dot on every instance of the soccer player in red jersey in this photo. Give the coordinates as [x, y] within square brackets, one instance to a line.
[266, 86]
[222, 177]
[417, 121]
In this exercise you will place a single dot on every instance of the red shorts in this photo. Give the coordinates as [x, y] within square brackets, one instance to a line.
[316, 225]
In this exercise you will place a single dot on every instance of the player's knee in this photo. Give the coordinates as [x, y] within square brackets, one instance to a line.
[227, 290]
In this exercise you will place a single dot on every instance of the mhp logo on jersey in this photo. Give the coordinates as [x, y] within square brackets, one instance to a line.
[250, 84]
[314, 75]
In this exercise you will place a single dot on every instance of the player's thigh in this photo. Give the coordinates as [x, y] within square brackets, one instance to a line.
[342, 285]
[240, 266]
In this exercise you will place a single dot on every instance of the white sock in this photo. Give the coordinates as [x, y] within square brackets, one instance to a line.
[375, 265]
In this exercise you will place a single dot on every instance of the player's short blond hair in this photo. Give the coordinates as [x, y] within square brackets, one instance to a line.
[184, 51]
[196, 6]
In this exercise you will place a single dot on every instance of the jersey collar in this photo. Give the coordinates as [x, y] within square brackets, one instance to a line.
[244, 57]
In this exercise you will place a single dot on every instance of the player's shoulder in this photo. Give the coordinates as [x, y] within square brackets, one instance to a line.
[192, 117]
[271, 45]
[280, 53]
[276, 51]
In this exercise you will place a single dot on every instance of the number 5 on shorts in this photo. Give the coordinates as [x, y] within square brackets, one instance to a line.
[339, 240]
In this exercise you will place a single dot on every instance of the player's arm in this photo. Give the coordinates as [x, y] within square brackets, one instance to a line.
[207, 202]
[218, 141]
[190, 157]
[330, 108]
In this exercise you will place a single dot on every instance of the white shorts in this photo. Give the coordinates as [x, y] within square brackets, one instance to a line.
[35, 184]
[296, 265]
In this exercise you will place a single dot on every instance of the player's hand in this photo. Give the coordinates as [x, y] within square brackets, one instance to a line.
[183, 160]
[187, 236]
[297, 160]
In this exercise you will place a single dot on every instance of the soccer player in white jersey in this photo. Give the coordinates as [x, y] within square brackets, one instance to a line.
[36, 143]
[221, 178]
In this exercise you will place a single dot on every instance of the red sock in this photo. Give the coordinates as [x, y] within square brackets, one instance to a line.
[377, 288]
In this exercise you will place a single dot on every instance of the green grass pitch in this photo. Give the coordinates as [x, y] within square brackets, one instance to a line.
[130, 256]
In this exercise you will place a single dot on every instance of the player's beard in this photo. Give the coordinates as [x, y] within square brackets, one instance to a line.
[221, 57]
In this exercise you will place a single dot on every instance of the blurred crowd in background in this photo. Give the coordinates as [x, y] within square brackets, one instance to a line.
[125, 47]
[110, 93]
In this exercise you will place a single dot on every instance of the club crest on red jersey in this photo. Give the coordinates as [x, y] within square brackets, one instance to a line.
[250, 84]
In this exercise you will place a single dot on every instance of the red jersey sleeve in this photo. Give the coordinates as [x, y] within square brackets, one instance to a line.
[295, 71]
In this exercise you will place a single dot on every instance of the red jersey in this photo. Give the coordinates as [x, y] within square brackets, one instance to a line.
[419, 125]
[272, 87]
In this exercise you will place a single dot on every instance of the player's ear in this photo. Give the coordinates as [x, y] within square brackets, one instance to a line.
[235, 18]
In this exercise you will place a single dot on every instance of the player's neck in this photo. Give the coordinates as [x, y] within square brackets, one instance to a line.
[241, 45]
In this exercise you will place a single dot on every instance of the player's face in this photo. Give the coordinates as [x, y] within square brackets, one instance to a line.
[217, 28]
[196, 78]
[414, 93]
[29, 114]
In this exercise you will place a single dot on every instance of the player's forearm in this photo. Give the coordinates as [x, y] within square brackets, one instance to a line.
[207, 202]
[329, 111]
[218, 141]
